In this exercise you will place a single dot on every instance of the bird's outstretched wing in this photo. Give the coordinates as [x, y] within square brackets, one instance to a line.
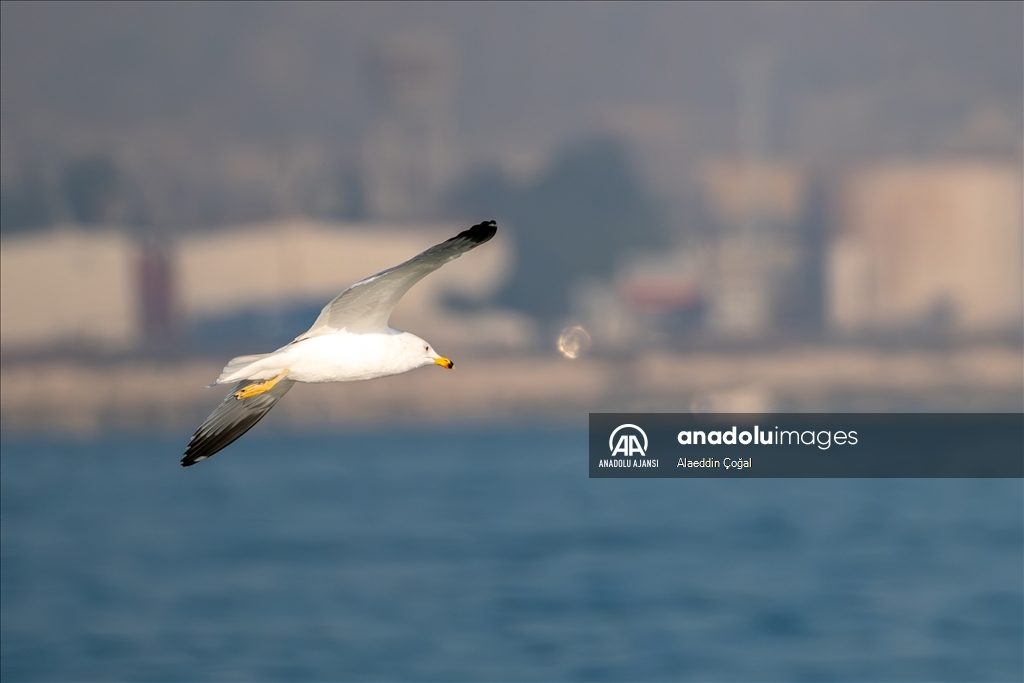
[367, 305]
[231, 419]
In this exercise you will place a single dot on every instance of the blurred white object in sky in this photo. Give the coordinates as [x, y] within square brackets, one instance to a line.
[573, 342]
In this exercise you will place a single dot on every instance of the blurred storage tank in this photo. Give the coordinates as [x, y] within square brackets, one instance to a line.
[69, 288]
[933, 246]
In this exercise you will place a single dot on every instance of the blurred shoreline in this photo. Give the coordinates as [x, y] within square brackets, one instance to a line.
[78, 398]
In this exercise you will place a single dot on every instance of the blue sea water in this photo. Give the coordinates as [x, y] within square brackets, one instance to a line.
[488, 554]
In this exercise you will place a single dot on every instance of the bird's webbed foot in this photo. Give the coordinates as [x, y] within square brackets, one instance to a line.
[257, 388]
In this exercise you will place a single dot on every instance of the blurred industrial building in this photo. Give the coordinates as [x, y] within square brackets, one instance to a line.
[100, 291]
[908, 247]
[748, 195]
[887, 250]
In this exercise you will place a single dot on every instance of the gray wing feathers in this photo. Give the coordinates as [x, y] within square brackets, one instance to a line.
[367, 305]
[231, 419]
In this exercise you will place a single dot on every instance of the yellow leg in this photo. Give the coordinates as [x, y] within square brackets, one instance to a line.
[259, 388]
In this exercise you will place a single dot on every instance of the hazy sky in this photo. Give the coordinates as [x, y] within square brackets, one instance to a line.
[877, 78]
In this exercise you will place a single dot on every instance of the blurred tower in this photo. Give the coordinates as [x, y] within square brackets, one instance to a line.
[408, 153]
[758, 206]
[758, 249]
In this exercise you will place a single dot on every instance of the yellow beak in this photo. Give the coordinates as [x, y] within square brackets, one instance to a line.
[444, 362]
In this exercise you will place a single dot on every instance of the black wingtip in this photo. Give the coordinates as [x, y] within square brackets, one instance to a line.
[479, 233]
[192, 458]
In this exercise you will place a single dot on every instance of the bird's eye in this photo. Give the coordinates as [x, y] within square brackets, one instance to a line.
[426, 348]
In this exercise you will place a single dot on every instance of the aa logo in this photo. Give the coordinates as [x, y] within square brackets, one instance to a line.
[628, 444]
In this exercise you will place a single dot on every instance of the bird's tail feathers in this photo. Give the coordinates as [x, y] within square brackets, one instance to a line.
[236, 364]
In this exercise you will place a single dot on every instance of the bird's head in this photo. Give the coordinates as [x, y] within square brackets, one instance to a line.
[430, 356]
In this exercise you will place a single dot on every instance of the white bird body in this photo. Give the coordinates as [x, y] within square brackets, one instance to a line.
[338, 357]
[350, 340]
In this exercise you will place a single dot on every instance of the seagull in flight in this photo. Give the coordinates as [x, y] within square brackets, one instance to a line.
[350, 340]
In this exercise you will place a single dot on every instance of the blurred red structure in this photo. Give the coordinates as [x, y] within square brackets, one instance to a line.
[156, 297]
